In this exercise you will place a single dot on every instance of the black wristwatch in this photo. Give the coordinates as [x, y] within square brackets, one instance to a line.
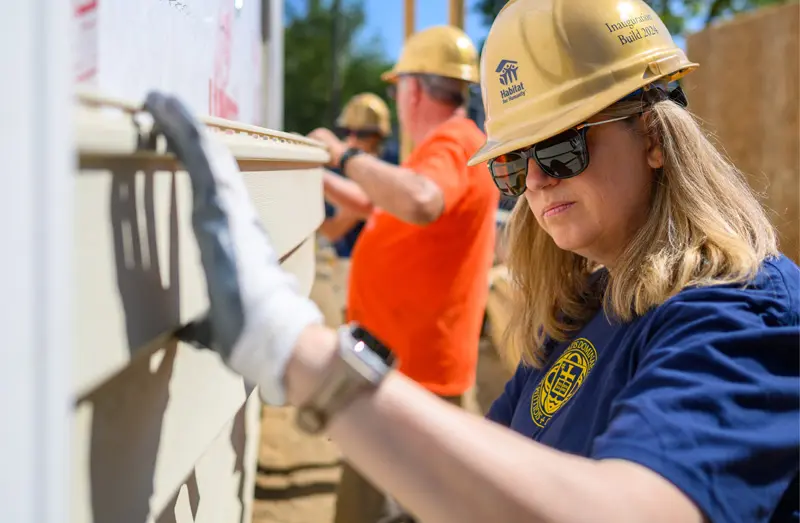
[360, 364]
[349, 153]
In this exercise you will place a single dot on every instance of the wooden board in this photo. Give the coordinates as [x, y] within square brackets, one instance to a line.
[746, 92]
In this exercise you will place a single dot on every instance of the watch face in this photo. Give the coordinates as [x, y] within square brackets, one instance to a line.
[366, 362]
[360, 333]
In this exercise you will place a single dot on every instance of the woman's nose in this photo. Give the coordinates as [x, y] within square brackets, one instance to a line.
[537, 179]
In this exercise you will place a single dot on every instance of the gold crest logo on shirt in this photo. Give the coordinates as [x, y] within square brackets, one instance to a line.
[562, 381]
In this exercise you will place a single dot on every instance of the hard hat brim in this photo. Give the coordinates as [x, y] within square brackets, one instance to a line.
[389, 76]
[554, 123]
[463, 73]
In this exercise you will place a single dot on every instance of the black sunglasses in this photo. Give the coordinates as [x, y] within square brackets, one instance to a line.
[361, 134]
[563, 156]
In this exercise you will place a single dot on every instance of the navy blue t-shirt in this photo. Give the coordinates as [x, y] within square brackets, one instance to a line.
[704, 390]
[344, 245]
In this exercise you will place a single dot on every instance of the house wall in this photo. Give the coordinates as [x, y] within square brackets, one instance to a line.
[162, 431]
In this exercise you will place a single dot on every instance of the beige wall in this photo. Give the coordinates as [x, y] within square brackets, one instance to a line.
[162, 431]
[746, 92]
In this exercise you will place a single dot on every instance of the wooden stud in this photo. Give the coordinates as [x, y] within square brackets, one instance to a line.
[457, 13]
[409, 24]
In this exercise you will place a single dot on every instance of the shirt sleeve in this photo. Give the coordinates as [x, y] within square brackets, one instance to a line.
[714, 405]
[444, 161]
[502, 409]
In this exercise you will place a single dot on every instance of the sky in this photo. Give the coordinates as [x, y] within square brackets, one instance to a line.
[385, 18]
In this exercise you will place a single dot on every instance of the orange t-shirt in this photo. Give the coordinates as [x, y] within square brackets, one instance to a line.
[422, 290]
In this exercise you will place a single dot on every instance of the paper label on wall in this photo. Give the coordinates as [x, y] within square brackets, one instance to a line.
[207, 52]
[85, 13]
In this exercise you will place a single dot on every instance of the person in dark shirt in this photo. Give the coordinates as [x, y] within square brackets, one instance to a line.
[365, 123]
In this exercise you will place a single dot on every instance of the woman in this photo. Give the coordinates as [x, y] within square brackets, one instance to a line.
[657, 323]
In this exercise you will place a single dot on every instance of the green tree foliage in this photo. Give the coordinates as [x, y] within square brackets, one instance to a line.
[309, 96]
[674, 13]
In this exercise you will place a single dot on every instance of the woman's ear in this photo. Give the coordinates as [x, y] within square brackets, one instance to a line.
[655, 151]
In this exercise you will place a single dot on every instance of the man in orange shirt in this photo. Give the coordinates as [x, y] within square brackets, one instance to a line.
[419, 269]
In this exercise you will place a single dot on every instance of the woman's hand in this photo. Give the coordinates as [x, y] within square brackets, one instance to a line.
[256, 314]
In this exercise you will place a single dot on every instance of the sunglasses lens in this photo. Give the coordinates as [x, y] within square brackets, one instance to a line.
[391, 91]
[564, 155]
[508, 172]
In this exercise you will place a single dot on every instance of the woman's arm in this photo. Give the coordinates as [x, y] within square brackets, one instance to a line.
[338, 225]
[346, 194]
[446, 465]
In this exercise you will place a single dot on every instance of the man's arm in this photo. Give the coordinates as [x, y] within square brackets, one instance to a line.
[399, 191]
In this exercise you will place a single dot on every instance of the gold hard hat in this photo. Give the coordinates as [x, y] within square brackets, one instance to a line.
[548, 65]
[366, 112]
[442, 50]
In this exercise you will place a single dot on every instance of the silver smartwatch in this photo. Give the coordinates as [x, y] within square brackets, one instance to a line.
[360, 364]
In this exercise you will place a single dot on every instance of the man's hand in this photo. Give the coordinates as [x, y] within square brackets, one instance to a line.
[335, 146]
[256, 314]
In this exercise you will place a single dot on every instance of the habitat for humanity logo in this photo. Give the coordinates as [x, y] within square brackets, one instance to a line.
[507, 71]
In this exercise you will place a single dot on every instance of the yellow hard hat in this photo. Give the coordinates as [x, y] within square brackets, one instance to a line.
[549, 65]
[366, 112]
[442, 50]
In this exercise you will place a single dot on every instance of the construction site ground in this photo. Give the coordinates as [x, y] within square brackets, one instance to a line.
[298, 475]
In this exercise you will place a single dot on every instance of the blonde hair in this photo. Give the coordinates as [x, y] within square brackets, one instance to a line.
[705, 227]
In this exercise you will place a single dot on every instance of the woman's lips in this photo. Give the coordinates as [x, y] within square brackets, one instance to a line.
[557, 208]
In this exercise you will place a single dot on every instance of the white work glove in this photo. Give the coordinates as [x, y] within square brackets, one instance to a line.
[256, 313]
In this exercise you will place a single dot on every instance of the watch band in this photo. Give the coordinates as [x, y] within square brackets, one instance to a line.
[349, 153]
[356, 367]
